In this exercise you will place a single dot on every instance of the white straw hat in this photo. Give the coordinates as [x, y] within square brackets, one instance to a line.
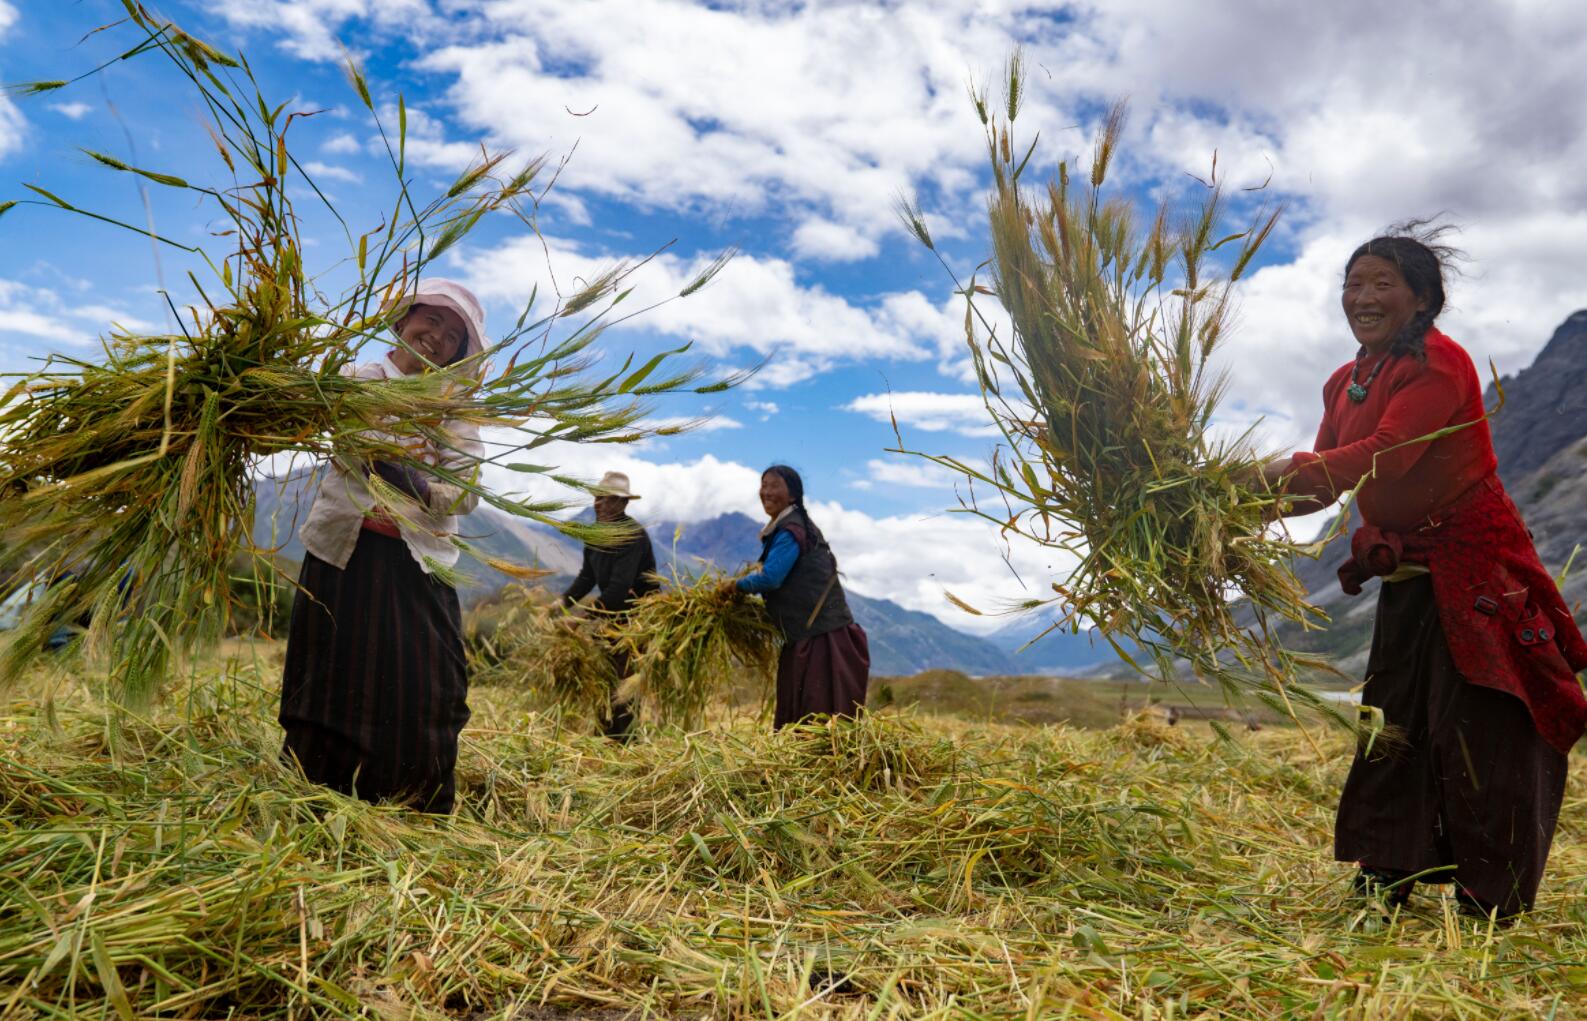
[614, 484]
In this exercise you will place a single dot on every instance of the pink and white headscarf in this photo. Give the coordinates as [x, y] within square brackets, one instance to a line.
[452, 295]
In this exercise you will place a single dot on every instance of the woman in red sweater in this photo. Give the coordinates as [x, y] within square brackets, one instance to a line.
[1474, 653]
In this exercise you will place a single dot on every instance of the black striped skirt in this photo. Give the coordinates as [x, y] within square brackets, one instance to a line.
[375, 688]
[1470, 792]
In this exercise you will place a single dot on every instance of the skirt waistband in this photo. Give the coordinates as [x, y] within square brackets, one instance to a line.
[382, 526]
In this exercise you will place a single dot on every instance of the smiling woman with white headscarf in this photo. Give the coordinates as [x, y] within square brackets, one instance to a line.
[375, 685]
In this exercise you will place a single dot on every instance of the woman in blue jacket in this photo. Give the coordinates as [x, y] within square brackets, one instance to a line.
[825, 662]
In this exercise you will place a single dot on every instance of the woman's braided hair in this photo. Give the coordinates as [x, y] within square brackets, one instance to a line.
[1417, 248]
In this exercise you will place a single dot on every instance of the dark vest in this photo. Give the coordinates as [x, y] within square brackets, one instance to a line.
[792, 603]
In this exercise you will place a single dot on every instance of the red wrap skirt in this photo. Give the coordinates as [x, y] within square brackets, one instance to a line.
[823, 675]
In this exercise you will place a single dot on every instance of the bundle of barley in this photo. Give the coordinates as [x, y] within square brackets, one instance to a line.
[1105, 399]
[563, 659]
[689, 644]
[130, 479]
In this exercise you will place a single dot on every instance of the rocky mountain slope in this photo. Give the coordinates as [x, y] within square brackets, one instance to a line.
[1545, 406]
[1540, 436]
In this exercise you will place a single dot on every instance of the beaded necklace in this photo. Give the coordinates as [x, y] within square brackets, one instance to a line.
[1358, 390]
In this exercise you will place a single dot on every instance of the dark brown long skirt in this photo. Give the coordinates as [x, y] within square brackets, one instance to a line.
[1472, 792]
[825, 675]
[375, 689]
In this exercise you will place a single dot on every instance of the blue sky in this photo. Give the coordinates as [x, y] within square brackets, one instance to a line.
[786, 130]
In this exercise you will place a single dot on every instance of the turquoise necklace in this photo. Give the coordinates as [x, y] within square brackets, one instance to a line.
[1358, 389]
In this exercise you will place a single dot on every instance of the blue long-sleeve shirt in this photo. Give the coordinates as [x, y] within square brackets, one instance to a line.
[780, 559]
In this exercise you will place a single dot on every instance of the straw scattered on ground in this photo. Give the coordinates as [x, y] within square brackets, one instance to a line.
[900, 867]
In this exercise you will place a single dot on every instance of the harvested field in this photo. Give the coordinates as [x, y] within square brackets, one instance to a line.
[906, 866]
[1091, 703]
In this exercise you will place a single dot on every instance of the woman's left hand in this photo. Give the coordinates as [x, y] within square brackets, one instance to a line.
[728, 588]
[1274, 471]
[1267, 475]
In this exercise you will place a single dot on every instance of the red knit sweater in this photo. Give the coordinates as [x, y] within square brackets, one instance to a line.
[1438, 503]
[1408, 400]
[1504, 619]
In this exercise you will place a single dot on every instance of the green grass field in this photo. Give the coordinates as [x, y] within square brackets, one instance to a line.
[909, 866]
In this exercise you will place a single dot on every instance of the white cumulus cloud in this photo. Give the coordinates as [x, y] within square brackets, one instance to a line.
[313, 29]
[899, 471]
[824, 111]
[833, 242]
[41, 313]
[342, 144]
[754, 304]
[13, 127]
[333, 172]
[72, 111]
[965, 414]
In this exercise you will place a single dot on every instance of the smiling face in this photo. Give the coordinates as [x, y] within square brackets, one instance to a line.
[435, 333]
[1378, 302]
[774, 496]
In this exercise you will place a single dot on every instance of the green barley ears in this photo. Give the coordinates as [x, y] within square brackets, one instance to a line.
[1104, 397]
[127, 480]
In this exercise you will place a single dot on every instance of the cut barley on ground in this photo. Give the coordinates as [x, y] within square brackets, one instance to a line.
[929, 869]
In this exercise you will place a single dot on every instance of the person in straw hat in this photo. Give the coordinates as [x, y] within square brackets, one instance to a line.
[375, 685]
[623, 574]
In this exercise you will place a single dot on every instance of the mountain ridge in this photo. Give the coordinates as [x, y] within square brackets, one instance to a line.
[903, 641]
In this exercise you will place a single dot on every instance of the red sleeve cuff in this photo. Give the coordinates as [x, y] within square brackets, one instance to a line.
[1310, 478]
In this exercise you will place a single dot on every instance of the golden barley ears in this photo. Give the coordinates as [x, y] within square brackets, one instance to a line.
[689, 644]
[563, 660]
[130, 477]
[1104, 395]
